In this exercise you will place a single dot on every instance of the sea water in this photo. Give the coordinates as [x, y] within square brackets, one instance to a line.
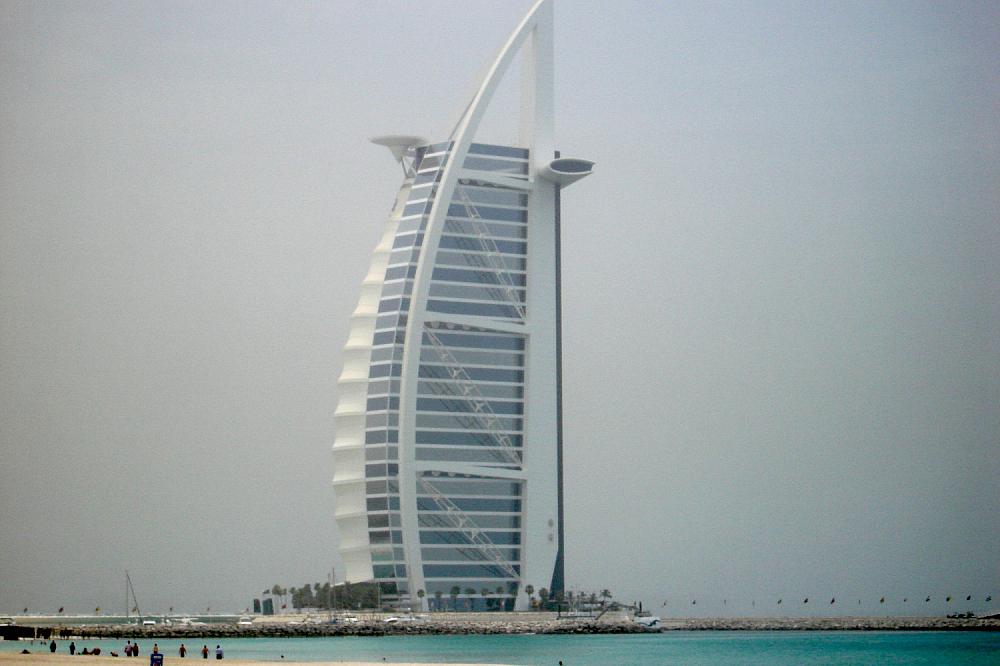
[771, 648]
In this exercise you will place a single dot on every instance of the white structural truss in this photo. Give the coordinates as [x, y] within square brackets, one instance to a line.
[448, 448]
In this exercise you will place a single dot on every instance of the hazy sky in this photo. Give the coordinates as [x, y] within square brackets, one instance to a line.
[781, 290]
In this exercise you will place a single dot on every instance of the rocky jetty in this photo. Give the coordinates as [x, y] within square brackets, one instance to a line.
[522, 625]
[361, 628]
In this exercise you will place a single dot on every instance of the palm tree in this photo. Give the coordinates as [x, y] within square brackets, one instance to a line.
[543, 596]
[486, 593]
[420, 595]
[530, 591]
[437, 595]
[454, 592]
[605, 594]
[469, 592]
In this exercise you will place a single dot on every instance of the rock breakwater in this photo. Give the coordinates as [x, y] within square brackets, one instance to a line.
[378, 627]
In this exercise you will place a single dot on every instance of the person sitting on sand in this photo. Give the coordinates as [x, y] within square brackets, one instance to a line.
[96, 652]
[85, 651]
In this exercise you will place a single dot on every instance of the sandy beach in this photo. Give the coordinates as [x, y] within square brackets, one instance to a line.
[49, 659]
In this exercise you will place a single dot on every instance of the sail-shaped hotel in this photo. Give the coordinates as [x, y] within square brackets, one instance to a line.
[448, 449]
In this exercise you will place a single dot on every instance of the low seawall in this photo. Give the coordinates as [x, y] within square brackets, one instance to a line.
[521, 625]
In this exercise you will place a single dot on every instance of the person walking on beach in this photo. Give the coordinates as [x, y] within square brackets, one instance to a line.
[218, 652]
[72, 647]
[182, 651]
[52, 646]
[204, 652]
[135, 649]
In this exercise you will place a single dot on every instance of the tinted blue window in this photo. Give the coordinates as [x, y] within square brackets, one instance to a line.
[427, 177]
[487, 213]
[478, 309]
[476, 245]
[430, 162]
[381, 469]
[481, 374]
[390, 321]
[439, 147]
[479, 277]
[378, 520]
[377, 404]
[443, 537]
[387, 337]
[459, 405]
[394, 304]
[408, 240]
[466, 571]
[399, 272]
[508, 342]
[383, 571]
[381, 436]
[404, 256]
[384, 370]
[412, 224]
[502, 151]
[469, 228]
[414, 209]
[464, 438]
[465, 554]
[501, 166]
[473, 504]
[495, 195]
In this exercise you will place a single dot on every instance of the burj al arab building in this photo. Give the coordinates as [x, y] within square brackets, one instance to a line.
[448, 448]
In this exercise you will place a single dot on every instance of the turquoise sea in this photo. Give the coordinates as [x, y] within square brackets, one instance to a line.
[676, 647]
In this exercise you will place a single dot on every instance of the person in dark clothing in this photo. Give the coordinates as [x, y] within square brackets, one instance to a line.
[52, 646]
[182, 651]
[218, 652]
[72, 647]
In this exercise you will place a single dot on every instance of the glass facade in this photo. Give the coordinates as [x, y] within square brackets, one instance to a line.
[469, 402]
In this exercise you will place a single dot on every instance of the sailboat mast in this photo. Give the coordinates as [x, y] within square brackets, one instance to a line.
[129, 588]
